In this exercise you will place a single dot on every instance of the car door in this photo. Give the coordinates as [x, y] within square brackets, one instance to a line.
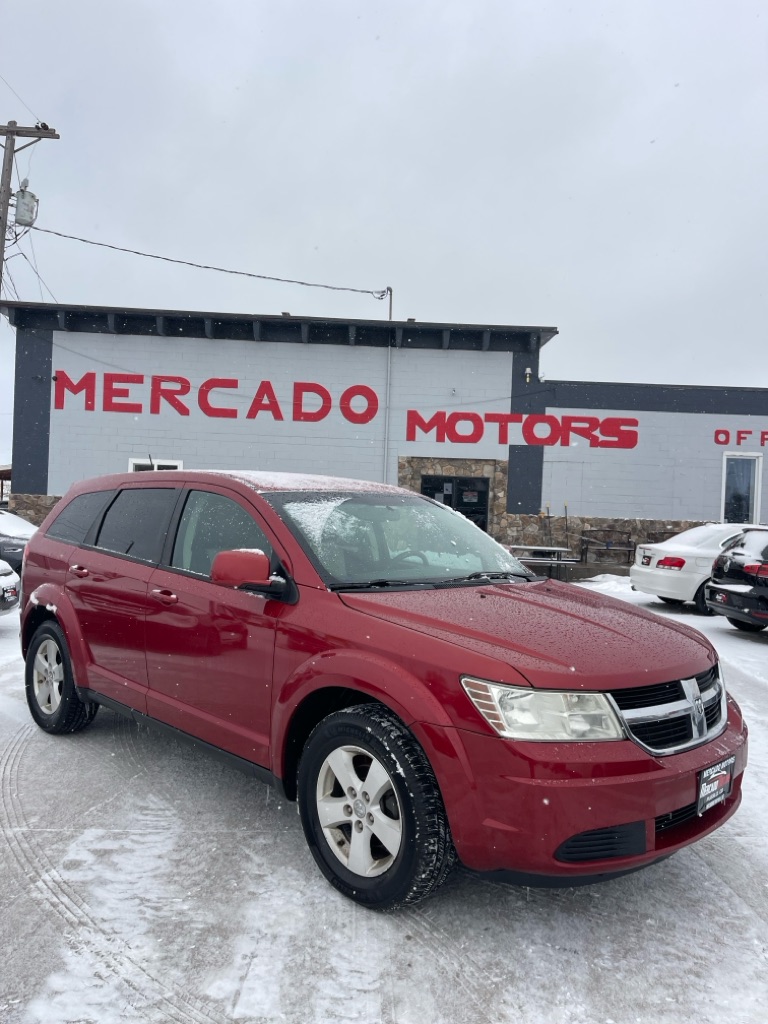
[106, 582]
[210, 649]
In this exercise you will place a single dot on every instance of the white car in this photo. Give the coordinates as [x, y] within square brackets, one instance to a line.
[676, 570]
[9, 588]
[14, 534]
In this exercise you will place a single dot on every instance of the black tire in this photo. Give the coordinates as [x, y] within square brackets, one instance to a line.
[747, 627]
[699, 603]
[670, 600]
[50, 686]
[419, 853]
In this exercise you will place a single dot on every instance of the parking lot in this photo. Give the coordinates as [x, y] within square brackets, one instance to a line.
[144, 882]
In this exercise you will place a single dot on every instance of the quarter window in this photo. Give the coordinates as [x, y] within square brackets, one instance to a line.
[212, 523]
[75, 519]
[137, 521]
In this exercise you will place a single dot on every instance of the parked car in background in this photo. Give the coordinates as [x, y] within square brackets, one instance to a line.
[676, 570]
[739, 585]
[14, 534]
[9, 588]
[388, 665]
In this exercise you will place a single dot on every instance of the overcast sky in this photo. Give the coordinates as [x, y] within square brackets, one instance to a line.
[596, 166]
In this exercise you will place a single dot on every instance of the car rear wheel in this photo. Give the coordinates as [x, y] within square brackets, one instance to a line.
[371, 809]
[700, 603]
[747, 627]
[50, 686]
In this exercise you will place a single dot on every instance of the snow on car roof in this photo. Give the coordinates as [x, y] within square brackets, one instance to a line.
[302, 481]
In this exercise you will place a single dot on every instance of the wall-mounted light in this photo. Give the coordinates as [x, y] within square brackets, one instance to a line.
[528, 374]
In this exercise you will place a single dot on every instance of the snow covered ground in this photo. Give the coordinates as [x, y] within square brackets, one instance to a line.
[142, 882]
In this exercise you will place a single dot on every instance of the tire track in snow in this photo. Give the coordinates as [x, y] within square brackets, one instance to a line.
[60, 897]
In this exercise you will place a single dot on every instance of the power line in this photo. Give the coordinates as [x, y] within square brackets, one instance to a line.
[34, 267]
[13, 284]
[19, 98]
[380, 293]
[39, 278]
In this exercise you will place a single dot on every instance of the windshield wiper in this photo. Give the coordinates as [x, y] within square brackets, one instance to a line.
[371, 584]
[491, 574]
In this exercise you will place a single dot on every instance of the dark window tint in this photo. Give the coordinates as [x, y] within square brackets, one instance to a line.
[136, 522]
[75, 520]
[212, 523]
[756, 544]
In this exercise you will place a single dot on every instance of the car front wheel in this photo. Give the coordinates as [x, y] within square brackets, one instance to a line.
[371, 809]
[50, 686]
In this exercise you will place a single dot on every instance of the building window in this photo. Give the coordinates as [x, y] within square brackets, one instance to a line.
[147, 466]
[742, 479]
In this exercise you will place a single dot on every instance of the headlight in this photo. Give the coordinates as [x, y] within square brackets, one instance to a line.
[544, 715]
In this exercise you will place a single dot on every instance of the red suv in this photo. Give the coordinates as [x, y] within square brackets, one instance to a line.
[422, 695]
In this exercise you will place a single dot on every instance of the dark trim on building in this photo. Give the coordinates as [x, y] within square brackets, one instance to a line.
[681, 398]
[284, 328]
[525, 466]
[32, 411]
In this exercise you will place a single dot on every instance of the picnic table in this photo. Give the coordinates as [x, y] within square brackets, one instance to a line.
[548, 556]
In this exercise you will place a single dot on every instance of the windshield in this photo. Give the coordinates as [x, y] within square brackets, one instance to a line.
[361, 538]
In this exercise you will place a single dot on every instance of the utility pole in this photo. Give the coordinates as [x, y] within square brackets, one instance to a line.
[12, 131]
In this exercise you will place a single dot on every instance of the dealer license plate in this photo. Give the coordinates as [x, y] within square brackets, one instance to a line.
[9, 594]
[646, 559]
[715, 784]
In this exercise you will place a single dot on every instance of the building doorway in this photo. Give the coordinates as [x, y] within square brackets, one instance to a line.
[468, 495]
[741, 487]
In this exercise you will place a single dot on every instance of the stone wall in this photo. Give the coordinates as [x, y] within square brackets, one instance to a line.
[32, 507]
[411, 469]
[542, 529]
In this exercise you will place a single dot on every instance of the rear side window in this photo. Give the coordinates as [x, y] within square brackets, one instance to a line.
[136, 522]
[75, 519]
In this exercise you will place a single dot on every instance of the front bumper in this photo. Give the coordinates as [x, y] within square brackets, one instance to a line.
[524, 808]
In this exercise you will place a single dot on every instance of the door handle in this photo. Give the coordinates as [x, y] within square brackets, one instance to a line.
[165, 596]
[78, 570]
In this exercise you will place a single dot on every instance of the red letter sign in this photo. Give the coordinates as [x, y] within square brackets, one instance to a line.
[303, 415]
[87, 383]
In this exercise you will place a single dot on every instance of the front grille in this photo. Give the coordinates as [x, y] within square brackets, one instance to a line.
[648, 696]
[675, 818]
[665, 718]
[662, 734]
[604, 843]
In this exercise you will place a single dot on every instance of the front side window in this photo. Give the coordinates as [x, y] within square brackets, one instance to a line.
[136, 522]
[212, 523]
[355, 538]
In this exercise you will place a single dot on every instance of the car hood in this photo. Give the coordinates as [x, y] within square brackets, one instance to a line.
[557, 635]
[15, 527]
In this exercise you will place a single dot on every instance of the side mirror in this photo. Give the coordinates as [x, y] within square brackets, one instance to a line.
[249, 570]
[234, 568]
